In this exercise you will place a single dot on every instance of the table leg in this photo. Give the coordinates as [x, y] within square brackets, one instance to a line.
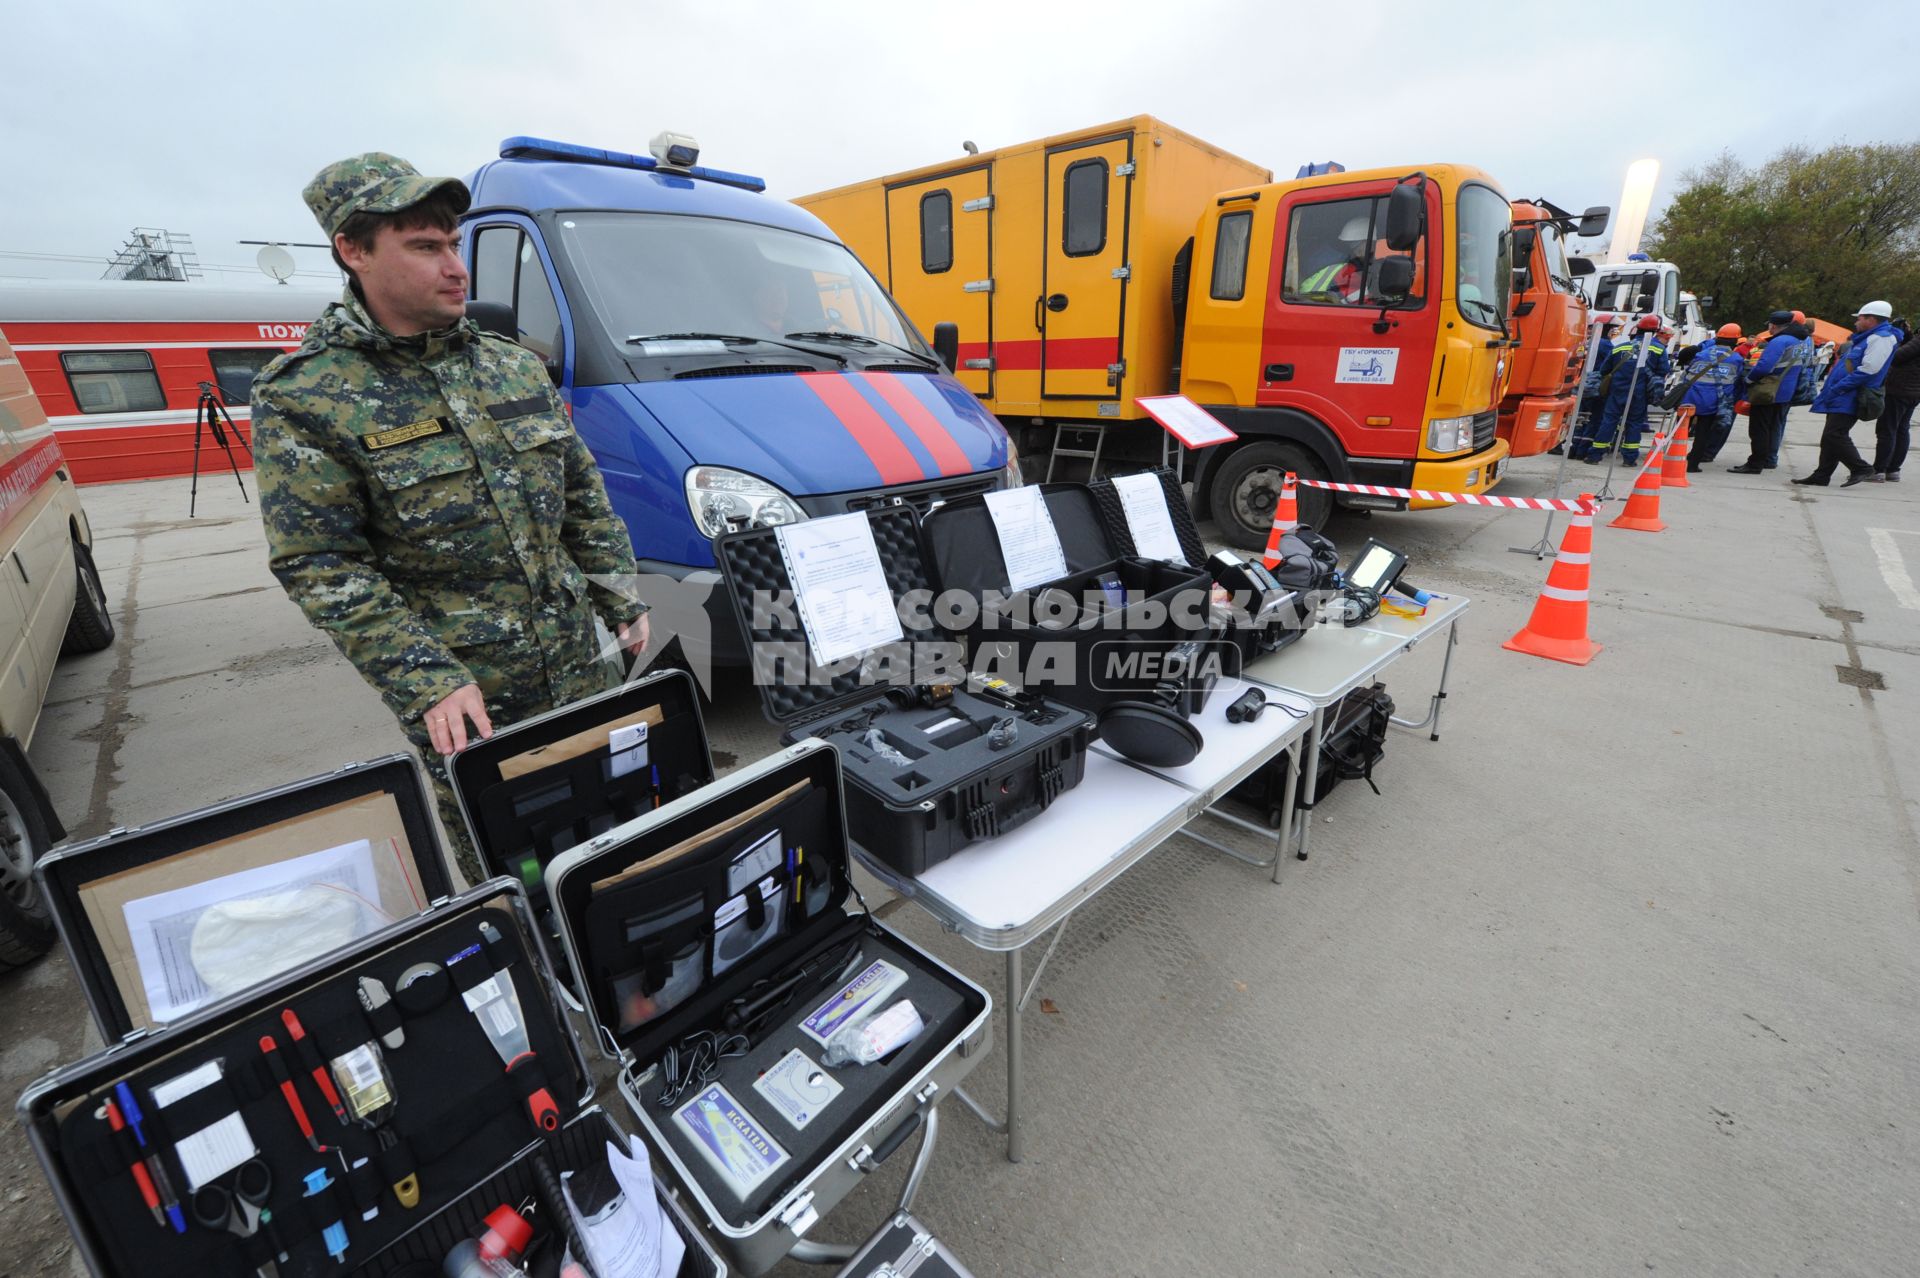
[1015, 996]
[1446, 667]
[1288, 818]
[1312, 779]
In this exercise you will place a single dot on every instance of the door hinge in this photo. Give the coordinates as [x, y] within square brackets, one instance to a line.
[980, 205]
[1115, 372]
[1123, 272]
[800, 1215]
[978, 365]
[977, 286]
[1124, 170]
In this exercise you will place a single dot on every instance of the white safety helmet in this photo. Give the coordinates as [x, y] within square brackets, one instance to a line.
[1882, 310]
[1355, 232]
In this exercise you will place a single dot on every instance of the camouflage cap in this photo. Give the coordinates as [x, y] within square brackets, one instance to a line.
[372, 183]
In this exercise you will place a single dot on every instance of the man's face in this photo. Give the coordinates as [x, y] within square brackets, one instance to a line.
[413, 280]
[1861, 323]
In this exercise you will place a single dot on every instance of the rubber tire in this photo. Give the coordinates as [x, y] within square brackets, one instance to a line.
[1256, 465]
[90, 628]
[26, 925]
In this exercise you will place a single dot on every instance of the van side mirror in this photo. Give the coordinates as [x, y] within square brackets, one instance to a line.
[1523, 238]
[494, 317]
[1580, 266]
[1393, 278]
[1594, 221]
[1406, 217]
[946, 343]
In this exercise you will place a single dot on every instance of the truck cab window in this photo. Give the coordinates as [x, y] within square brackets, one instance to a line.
[1230, 257]
[1083, 219]
[936, 232]
[1334, 253]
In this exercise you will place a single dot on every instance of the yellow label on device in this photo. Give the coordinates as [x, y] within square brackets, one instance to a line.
[403, 434]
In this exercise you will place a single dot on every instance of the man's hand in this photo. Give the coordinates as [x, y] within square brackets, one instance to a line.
[634, 635]
[447, 721]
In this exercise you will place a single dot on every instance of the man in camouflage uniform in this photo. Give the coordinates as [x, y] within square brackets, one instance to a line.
[426, 500]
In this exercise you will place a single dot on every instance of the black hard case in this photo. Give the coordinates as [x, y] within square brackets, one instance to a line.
[904, 1248]
[1166, 602]
[958, 790]
[561, 792]
[382, 798]
[467, 1126]
[683, 851]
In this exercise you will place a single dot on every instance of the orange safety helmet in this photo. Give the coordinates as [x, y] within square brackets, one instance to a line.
[1730, 330]
[1799, 317]
[1649, 324]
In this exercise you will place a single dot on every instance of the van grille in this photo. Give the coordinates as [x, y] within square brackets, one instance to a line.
[743, 370]
[920, 496]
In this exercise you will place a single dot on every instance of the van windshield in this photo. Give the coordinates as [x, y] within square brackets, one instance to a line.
[660, 274]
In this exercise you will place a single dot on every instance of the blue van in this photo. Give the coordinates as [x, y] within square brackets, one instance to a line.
[729, 362]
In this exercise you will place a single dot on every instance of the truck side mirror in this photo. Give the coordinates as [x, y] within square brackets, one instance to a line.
[1706, 304]
[1522, 279]
[946, 343]
[1406, 214]
[1594, 221]
[1523, 238]
[1393, 278]
[1580, 266]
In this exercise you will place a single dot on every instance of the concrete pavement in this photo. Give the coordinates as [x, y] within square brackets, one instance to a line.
[1618, 977]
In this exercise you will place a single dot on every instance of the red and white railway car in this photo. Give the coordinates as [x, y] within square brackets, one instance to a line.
[118, 364]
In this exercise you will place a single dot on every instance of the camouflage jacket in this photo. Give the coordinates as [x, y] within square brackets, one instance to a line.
[425, 496]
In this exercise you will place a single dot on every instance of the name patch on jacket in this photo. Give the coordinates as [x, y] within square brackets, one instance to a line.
[516, 408]
[403, 434]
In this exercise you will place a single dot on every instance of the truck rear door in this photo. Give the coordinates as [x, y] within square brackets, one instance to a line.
[1083, 288]
[940, 260]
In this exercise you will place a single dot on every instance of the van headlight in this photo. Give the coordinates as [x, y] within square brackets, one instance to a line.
[1010, 477]
[1450, 434]
[722, 500]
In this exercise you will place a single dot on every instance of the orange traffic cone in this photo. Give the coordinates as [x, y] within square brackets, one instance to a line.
[1286, 518]
[1674, 473]
[1643, 503]
[1558, 628]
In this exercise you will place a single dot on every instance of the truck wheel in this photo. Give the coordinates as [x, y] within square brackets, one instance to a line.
[1248, 487]
[26, 925]
[90, 629]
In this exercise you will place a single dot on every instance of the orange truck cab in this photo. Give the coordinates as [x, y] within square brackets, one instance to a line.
[1550, 320]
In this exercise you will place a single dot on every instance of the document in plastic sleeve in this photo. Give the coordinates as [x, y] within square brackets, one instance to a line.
[863, 994]
[1144, 502]
[839, 587]
[1028, 540]
[1189, 423]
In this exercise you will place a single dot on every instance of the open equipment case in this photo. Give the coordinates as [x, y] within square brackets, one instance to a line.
[1144, 673]
[948, 783]
[547, 784]
[384, 1095]
[725, 913]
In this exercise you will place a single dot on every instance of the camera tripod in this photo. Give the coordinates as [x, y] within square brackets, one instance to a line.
[208, 415]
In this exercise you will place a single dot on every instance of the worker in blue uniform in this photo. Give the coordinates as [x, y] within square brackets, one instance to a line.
[1775, 374]
[1716, 374]
[1628, 392]
[1593, 396]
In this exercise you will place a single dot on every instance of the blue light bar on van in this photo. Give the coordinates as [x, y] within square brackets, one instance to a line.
[1320, 170]
[525, 148]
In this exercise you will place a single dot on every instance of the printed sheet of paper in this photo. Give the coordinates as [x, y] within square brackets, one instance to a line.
[216, 1149]
[162, 926]
[1028, 540]
[632, 1237]
[839, 588]
[1144, 502]
[1191, 424]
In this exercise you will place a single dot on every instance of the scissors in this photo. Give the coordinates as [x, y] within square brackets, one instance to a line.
[237, 1209]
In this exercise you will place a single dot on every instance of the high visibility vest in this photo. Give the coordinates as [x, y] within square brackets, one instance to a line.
[1321, 281]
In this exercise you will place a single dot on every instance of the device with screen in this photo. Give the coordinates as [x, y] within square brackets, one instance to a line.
[1376, 567]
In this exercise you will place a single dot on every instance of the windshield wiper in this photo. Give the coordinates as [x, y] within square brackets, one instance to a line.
[736, 339]
[860, 339]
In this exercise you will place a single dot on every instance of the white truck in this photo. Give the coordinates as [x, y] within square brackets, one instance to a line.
[1637, 287]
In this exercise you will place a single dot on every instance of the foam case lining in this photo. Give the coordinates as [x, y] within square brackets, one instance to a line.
[955, 787]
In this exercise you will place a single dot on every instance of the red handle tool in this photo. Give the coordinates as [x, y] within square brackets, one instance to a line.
[310, 1057]
[271, 1050]
[139, 1169]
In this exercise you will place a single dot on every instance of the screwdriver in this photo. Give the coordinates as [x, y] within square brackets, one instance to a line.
[310, 1057]
[271, 1050]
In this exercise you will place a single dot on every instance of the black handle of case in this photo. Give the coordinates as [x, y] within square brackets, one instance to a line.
[898, 1137]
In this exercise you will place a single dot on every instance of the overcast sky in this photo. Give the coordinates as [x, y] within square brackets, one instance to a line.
[208, 118]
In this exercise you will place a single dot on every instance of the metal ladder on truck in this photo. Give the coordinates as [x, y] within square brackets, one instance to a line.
[1171, 453]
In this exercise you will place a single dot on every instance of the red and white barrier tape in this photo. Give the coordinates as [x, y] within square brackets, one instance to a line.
[1571, 504]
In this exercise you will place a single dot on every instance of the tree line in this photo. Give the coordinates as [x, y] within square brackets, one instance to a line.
[1815, 231]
